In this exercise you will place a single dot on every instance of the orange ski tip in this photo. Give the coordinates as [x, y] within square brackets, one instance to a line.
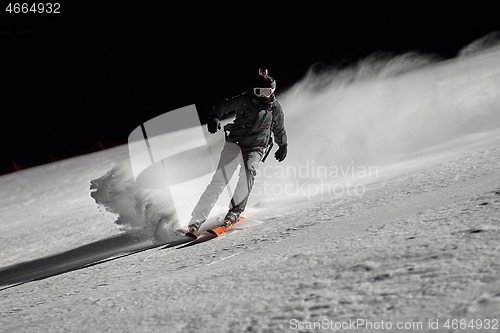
[219, 230]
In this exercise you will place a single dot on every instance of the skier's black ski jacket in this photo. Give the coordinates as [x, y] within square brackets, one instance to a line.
[255, 120]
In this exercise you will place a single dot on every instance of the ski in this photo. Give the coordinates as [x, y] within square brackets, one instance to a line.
[219, 230]
[186, 238]
[203, 237]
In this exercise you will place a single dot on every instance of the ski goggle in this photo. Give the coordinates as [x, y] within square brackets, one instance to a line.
[263, 92]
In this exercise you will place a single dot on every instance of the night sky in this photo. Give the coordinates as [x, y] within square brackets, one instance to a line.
[99, 69]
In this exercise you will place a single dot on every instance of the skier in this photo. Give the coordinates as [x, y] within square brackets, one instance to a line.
[258, 113]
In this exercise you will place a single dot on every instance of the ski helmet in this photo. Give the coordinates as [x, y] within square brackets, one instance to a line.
[264, 85]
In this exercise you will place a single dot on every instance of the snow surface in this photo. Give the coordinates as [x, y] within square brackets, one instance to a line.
[419, 244]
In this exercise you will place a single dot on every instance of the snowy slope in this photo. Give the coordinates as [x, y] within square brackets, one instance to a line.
[420, 243]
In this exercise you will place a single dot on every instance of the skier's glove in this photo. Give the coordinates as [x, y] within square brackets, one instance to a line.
[280, 154]
[213, 125]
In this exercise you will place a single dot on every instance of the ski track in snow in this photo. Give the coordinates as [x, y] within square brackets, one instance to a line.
[421, 244]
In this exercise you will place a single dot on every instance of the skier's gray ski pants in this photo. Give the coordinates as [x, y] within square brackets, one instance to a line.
[231, 157]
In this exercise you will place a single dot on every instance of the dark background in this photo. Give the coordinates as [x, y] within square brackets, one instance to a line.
[82, 80]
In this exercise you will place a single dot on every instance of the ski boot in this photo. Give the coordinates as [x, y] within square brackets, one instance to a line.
[231, 218]
[194, 226]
